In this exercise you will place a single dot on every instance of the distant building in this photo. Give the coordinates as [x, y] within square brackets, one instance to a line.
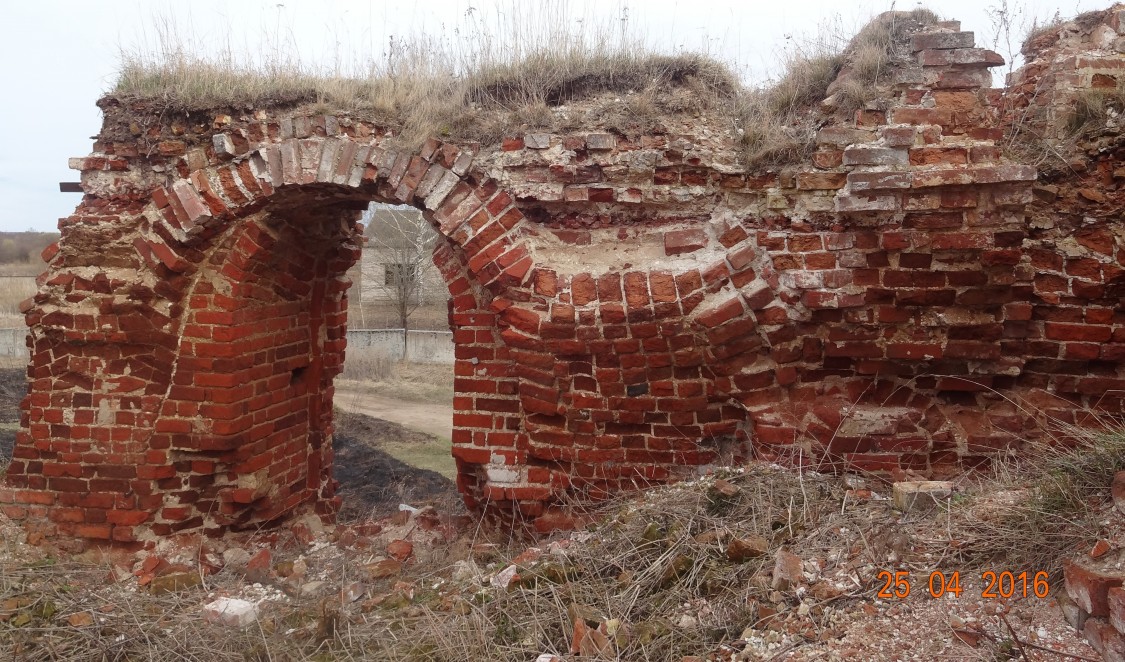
[398, 244]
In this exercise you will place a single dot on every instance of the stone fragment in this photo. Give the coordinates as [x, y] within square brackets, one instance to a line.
[875, 181]
[1116, 599]
[258, 566]
[352, 592]
[528, 556]
[505, 577]
[1118, 490]
[968, 636]
[964, 57]
[232, 612]
[236, 557]
[601, 141]
[866, 202]
[175, 582]
[223, 145]
[741, 550]
[821, 181]
[400, 549]
[537, 140]
[1072, 613]
[919, 495]
[943, 40]
[863, 155]
[485, 551]
[383, 568]
[725, 488]
[1088, 585]
[1093, 195]
[843, 136]
[1103, 638]
[899, 136]
[787, 571]
[310, 589]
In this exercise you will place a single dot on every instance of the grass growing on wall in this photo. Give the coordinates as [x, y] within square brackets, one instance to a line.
[519, 72]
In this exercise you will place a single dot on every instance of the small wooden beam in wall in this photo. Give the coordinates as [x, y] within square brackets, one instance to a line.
[70, 187]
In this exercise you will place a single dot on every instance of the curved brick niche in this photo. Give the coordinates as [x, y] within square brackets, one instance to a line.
[626, 309]
[186, 337]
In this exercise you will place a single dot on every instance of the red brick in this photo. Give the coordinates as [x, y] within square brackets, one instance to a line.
[821, 180]
[636, 289]
[523, 319]
[1082, 332]
[1089, 587]
[677, 242]
[725, 312]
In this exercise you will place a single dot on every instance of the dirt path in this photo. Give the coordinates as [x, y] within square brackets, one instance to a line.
[433, 419]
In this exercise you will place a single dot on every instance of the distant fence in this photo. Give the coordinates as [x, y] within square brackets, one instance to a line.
[423, 346]
[13, 342]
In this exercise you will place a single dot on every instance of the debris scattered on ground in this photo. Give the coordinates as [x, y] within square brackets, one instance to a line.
[751, 564]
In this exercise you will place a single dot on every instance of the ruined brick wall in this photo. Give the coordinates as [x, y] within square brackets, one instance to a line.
[626, 309]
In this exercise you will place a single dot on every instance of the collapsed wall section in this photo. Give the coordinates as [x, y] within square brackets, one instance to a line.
[626, 309]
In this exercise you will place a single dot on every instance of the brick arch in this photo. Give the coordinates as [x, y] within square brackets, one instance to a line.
[181, 376]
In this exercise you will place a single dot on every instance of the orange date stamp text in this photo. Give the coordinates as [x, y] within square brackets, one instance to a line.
[1005, 584]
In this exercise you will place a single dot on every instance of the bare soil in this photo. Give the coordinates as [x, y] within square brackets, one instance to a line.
[13, 387]
[432, 418]
[372, 482]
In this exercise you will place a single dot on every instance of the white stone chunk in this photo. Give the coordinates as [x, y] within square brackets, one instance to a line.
[913, 495]
[232, 612]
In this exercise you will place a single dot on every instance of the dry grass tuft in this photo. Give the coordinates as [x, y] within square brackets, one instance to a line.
[555, 78]
[384, 375]
[882, 45]
[1094, 108]
[1038, 508]
[778, 123]
[475, 86]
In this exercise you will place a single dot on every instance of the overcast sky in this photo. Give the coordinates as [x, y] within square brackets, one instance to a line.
[58, 56]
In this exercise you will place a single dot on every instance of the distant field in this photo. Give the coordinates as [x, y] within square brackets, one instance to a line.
[13, 290]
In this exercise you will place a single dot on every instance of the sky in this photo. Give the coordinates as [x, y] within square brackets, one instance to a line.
[57, 57]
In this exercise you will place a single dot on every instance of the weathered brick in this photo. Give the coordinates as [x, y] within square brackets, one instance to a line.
[821, 180]
[875, 181]
[962, 57]
[677, 242]
[942, 40]
[864, 155]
